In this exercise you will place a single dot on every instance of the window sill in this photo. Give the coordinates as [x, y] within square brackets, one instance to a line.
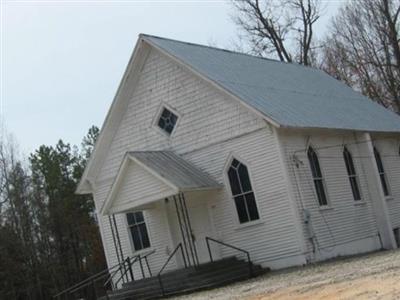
[389, 198]
[163, 132]
[249, 224]
[360, 203]
[325, 208]
[142, 251]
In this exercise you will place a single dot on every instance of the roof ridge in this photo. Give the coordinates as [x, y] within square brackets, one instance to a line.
[225, 50]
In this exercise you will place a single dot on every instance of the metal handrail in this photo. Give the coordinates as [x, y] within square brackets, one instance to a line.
[86, 284]
[130, 264]
[147, 262]
[208, 239]
[166, 263]
[111, 276]
[89, 279]
[107, 272]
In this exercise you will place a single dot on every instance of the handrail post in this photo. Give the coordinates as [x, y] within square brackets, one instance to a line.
[161, 285]
[148, 267]
[94, 289]
[166, 263]
[209, 249]
[113, 287]
[130, 267]
[250, 265]
[208, 239]
[141, 266]
[183, 256]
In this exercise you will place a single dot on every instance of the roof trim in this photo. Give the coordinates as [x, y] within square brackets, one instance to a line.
[86, 183]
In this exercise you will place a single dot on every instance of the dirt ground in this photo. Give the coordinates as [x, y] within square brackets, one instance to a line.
[372, 276]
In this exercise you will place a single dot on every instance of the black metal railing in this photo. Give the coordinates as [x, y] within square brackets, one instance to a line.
[166, 263]
[88, 288]
[208, 239]
[130, 262]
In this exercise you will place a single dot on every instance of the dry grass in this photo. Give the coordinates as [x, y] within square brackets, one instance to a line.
[373, 276]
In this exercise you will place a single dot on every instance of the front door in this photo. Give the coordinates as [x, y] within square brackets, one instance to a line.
[201, 225]
[199, 222]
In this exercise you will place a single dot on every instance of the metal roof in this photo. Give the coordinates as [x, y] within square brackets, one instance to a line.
[176, 170]
[289, 94]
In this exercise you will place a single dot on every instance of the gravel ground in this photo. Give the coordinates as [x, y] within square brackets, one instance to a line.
[372, 276]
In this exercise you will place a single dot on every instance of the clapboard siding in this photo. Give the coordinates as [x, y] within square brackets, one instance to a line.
[274, 236]
[207, 118]
[135, 185]
[157, 226]
[389, 150]
[212, 127]
[345, 220]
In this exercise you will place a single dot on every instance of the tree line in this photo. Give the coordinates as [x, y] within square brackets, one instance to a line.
[360, 46]
[49, 238]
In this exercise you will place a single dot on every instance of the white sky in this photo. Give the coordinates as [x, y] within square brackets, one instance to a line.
[61, 61]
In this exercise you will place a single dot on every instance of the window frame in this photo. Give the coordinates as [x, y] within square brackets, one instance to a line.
[156, 119]
[354, 176]
[398, 148]
[319, 179]
[128, 228]
[382, 173]
[235, 212]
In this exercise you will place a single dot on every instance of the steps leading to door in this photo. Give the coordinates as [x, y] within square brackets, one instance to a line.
[209, 275]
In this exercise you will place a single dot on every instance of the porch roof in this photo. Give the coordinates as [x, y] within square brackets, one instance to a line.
[147, 176]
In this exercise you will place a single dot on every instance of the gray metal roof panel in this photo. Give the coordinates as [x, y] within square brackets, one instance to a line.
[290, 94]
[175, 169]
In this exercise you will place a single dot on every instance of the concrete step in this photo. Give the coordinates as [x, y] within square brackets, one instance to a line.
[177, 283]
[203, 267]
[205, 276]
[188, 272]
[190, 275]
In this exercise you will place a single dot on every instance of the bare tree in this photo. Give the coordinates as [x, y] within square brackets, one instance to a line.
[280, 28]
[363, 49]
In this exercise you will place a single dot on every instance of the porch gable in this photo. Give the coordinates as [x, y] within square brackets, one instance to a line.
[149, 176]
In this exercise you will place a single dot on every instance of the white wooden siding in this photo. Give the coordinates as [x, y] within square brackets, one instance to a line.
[274, 236]
[345, 220]
[157, 225]
[136, 184]
[207, 117]
[388, 147]
[211, 126]
[160, 238]
[210, 129]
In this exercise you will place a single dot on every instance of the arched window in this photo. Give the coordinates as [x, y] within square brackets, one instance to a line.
[381, 171]
[242, 192]
[351, 172]
[317, 177]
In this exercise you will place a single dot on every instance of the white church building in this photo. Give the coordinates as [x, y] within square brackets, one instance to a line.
[278, 159]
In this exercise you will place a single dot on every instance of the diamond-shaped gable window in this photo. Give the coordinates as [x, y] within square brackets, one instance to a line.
[167, 120]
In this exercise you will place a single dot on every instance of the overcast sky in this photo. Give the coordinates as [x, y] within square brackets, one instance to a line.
[62, 60]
